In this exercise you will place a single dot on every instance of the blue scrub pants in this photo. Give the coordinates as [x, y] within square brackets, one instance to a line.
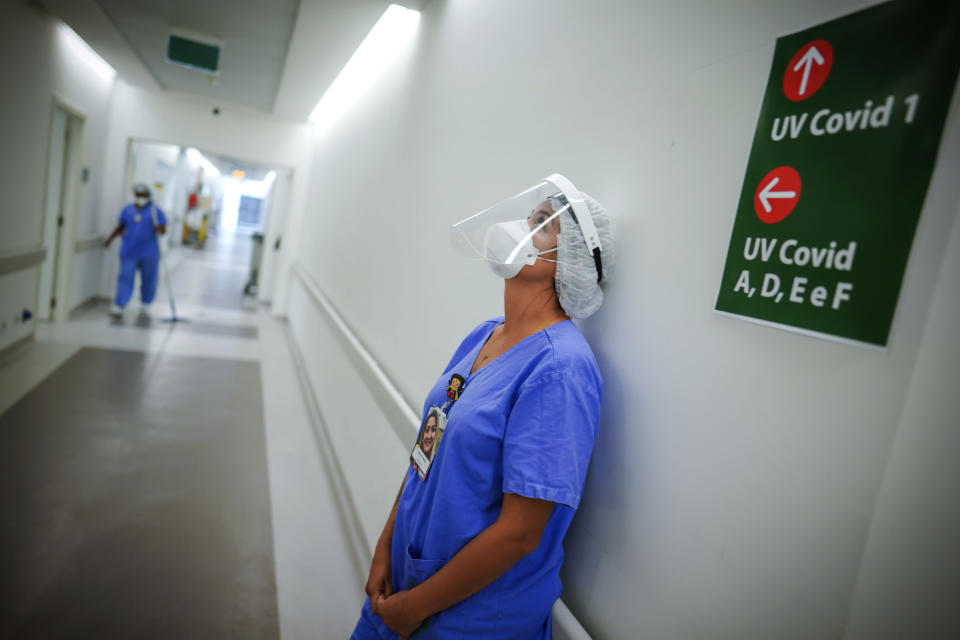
[148, 279]
[371, 627]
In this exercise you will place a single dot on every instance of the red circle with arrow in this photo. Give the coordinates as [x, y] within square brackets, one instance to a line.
[777, 194]
[808, 70]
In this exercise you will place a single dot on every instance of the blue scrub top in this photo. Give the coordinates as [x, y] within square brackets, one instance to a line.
[524, 424]
[139, 238]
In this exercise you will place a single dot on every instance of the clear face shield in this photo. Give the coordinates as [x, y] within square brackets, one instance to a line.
[520, 230]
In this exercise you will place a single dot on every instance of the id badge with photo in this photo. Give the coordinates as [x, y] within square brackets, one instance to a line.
[428, 441]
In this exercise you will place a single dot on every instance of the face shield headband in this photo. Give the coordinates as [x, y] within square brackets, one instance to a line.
[595, 251]
[570, 196]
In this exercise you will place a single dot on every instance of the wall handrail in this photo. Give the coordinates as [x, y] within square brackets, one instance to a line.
[86, 244]
[18, 260]
[403, 419]
[402, 415]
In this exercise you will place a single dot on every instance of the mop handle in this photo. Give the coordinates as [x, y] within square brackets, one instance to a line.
[166, 274]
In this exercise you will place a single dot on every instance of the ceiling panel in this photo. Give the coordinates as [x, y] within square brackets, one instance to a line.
[256, 36]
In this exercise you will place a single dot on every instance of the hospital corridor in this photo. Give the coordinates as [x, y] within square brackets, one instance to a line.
[163, 479]
[554, 320]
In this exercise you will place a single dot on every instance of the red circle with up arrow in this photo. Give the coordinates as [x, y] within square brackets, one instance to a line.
[808, 70]
[777, 194]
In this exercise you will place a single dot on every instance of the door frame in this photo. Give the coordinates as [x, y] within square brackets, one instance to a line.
[51, 211]
[65, 240]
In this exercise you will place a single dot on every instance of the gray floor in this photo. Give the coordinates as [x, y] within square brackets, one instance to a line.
[199, 568]
[135, 498]
[188, 324]
[225, 264]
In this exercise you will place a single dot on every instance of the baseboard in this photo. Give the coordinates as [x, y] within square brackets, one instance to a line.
[90, 302]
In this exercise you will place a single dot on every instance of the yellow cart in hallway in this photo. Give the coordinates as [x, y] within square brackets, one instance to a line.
[195, 228]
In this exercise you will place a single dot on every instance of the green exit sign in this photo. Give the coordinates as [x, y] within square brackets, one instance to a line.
[192, 53]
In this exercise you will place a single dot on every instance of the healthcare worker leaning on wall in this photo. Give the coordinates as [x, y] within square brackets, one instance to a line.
[472, 547]
[139, 223]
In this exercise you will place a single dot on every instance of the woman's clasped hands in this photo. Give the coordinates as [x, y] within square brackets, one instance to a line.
[391, 607]
[395, 610]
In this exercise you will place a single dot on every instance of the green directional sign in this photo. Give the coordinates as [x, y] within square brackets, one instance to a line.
[842, 156]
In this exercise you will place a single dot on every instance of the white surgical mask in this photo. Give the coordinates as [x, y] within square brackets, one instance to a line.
[141, 201]
[508, 247]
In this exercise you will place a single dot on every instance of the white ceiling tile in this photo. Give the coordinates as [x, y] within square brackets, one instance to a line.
[255, 34]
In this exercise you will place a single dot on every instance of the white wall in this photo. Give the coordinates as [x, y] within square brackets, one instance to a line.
[84, 276]
[276, 224]
[367, 451]
[156, 163]
[907, 586]
[47, 68]
[18, 291]
[736, 477]
[186, 121]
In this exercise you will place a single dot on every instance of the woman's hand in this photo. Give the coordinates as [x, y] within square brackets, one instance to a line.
[397, 614]
[378, 582]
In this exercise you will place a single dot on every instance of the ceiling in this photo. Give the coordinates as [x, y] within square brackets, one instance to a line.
[278, 57]
[255, 35]
[225, 165]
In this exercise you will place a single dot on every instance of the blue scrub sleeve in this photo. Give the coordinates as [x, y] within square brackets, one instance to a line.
[549, 438]
[122, 218]
[161, 216]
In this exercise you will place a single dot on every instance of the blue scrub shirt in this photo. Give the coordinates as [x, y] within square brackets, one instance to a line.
[524, 424]
[139, 237]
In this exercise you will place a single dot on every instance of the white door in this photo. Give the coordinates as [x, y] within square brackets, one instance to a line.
[53, 211]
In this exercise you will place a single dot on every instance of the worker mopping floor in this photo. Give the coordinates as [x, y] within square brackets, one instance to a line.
[139, 224]
[215, 277]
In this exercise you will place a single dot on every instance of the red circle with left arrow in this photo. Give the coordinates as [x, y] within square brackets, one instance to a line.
[808, 70]
[777, 194]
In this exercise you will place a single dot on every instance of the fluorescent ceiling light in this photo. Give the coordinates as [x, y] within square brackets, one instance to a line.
[393, 30]
[78, 47]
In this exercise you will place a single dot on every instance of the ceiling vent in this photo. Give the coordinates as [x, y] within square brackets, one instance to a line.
[194, 50]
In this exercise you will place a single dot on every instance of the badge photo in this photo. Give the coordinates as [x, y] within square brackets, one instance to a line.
[431, 432]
